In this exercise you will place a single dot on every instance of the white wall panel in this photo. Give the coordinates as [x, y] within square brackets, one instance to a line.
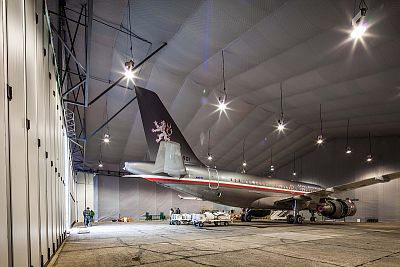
[49, 173]
[17, 134]
[85, 193]
[31, 96]
[118, 196]
[4, 200]
[42, 131]
[31, 183]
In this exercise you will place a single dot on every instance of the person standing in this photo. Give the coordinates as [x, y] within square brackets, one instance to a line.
[87, 216]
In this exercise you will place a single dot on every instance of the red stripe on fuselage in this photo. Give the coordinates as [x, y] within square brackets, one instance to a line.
[288, 191]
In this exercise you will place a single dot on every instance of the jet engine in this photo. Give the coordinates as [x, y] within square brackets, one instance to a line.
[337, 208]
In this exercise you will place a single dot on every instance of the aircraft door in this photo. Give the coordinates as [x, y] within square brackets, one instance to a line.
[213, 179]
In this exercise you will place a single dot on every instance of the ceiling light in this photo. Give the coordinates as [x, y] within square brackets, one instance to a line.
[281, 122]
[358, 21]
[129, 69]
[281, 125]
[209, 157]
[100, 164]
[106, 138]
[272, 168]
[320, 139]
[294, 164]
[348, 149]
[369, 156]
[358, 31]
[244, 164]
[221, 104]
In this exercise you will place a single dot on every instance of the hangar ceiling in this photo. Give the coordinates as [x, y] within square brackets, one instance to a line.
[304, 45]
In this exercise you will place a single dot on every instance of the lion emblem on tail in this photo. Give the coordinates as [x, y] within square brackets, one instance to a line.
[164, 129]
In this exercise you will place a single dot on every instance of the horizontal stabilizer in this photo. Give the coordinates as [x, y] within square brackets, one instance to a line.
[169, 159]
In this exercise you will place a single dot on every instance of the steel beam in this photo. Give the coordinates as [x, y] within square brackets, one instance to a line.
[88, 38]
[73, 102]
[109, 24]
[110, 119]
[54, 30]
[122, 77]
[73, 88]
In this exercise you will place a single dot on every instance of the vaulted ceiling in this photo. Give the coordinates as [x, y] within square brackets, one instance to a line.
[304, 45]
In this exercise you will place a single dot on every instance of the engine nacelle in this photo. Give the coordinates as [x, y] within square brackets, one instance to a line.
[337, 209]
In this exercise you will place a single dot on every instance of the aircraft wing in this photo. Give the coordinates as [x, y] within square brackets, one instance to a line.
[354, 185]
[340, 188]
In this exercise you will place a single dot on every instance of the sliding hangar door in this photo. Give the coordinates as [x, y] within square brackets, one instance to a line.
[36, 182]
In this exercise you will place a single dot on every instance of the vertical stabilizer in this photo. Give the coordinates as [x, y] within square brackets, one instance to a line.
[159, 126]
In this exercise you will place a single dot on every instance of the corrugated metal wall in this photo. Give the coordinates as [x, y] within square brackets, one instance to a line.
[37, 186]
[329, 166]
[118, 196]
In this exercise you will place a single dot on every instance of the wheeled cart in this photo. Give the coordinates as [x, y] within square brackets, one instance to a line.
[216, 218]
[178, 219]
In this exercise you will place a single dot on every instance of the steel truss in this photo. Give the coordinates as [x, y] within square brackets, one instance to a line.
[75, 77]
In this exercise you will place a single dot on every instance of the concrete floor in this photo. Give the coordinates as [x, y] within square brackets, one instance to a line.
[250, 244]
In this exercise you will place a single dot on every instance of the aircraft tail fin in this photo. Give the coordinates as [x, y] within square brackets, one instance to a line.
[159, 126]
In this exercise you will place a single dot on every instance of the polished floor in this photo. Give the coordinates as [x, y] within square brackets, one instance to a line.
[241, 244]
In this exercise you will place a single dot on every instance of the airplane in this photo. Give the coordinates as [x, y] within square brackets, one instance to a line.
[174, 165]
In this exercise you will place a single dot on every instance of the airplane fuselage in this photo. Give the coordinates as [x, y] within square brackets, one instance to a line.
[227, 188]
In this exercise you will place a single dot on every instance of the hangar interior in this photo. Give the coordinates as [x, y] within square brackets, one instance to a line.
[261, 88]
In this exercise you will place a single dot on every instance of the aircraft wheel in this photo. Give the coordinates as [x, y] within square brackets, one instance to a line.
[225, 223]
[299, 219]
[290, 219]
[178, 222]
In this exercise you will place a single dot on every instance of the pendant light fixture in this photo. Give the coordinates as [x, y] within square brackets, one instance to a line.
[369, 156]
[106, 137]
[244, 163]
[222, 104]
[294, 164]
[209, 156]
[358, 22]
[272, 165]
[348, 149]
[320, 137]
[281, 122]
[129, 64]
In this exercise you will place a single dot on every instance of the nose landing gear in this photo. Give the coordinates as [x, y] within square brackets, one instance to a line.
[313, 218]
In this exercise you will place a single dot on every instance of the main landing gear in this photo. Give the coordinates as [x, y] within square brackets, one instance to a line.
[291, 219]
[296, 218]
